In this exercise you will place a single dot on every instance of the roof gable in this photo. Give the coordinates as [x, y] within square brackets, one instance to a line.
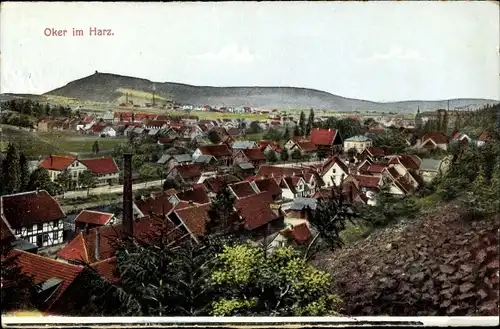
[101, 166]
[255, 210]
[323, 137]
[57, 162]
[30, 208]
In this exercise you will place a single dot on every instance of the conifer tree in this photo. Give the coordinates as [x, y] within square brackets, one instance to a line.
[222, 215]
[310, 122]
[284, 155]
[296, 130]
[11, 179]
[302, 122]
[24, 170]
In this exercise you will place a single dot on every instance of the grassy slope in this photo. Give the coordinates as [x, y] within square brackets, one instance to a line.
[42, 144]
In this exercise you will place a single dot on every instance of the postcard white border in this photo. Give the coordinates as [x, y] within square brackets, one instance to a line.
[425, 320]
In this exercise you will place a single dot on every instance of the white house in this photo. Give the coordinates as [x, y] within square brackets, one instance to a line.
[334, 170]
[359, 143]
[293, 187]
[34, 216]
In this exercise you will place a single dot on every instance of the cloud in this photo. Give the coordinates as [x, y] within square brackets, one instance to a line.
[397, 53]
[231, 53]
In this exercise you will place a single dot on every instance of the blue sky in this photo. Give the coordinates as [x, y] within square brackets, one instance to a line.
[380, 51]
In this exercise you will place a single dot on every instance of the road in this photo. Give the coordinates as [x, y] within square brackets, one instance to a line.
[109, 189]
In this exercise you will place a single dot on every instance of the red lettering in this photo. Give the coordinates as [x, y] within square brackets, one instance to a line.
[48, 32]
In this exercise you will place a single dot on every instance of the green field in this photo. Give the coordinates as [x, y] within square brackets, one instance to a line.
[42, 144]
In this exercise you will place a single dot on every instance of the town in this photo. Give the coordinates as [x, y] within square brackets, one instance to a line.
[250, 163]
[62, 213]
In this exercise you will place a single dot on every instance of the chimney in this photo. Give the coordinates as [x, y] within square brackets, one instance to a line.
[127, 194]
[97, 244]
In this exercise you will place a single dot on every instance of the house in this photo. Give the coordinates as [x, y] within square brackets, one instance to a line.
[434, 140]
[238, 145]
[103, 130]
[43, 125]
[88, 219]
[372, 169]
[8, 238]
[234, 132]
[297, 212]
[207, 162]
[254, 156]
[53, 279]
[359, 143]
[258, 217]
[373, 153]
[293, 187]
[34, 216]
[482, 138]
[406, 165]
[220, 151]
[311, 177]
[431, 168]
[306, 148]
[366, 184]
[328, 141]
[100, 243]
[192, 218]
[295, 235]
[176, 159]
[187, 174]
[457, 136]
[333, 171]
[105, 169]
[271, 186]
[196, 194]
[243, 189]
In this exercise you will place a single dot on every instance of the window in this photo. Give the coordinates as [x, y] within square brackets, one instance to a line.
[56, 235]
[45, 238]
[39, 227]
[30, 229]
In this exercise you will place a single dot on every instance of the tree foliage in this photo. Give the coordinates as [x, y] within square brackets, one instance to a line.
[272, 157]
[250, 281]
[223, 218]
[40, 180]
[88, 180]
[11, 171]
[302, 122]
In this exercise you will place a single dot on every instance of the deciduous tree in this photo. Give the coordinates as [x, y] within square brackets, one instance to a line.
[88, 180]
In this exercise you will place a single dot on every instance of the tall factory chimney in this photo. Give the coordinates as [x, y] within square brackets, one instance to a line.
[127, 195]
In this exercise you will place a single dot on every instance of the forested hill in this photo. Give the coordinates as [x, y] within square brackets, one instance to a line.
[112, 88]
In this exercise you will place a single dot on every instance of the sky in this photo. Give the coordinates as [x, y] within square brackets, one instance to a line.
[379, 51]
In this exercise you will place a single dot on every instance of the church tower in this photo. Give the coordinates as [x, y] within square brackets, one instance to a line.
[418, 119]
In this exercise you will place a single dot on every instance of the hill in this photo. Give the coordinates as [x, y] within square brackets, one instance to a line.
[111, 88]
[439, 264]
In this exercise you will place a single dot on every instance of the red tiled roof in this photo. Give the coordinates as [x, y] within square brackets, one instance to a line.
[367, 181]
[323, 136]
[158, 204]
[375, 151]
[300, 233]
[43, 268]
[437, 137]
[254, 154]
[93, 217]
[187, 171]
[107, 269]
[307, 146]
[408, 161]
[30, 208]
[196, 194]
[194, 217]
[75, 250]
[256, 210]
[242, 189]
[277, 172]
[213, 184]
[144, 229]
[57, 162]
[101, 166]
[483, 137]
[394, 173]
[215, 150]
[269, 185]
[376, 168]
